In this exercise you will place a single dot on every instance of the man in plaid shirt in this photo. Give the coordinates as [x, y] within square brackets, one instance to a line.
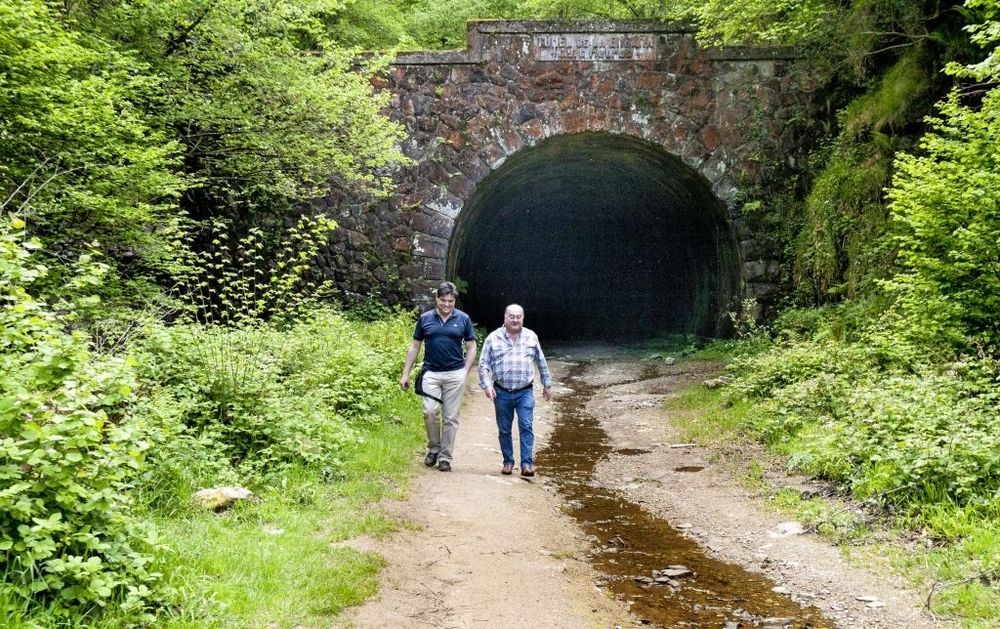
[506, 373]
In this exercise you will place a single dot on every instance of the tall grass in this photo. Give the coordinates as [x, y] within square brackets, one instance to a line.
[285, 559]
[349, 438]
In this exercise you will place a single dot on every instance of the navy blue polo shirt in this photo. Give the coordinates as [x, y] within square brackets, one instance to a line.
[444, 342]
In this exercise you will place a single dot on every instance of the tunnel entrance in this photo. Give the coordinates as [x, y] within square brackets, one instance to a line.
[599, 237]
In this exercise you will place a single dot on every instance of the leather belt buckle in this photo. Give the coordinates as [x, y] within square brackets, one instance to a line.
[518, 390]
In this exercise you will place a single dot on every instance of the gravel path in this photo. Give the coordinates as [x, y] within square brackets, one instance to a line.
[483, 550]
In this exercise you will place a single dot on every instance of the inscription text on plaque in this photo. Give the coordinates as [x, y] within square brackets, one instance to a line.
[591, 47]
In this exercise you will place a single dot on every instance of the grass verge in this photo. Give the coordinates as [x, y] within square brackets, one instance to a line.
[951, 554]
[284, 559]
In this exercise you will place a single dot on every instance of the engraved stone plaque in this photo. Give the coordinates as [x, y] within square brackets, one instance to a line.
[594, 47]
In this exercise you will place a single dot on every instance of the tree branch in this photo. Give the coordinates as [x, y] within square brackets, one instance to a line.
[174, 44]
[935, 587]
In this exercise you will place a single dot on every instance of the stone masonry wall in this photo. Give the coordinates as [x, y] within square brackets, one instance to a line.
[729, 114]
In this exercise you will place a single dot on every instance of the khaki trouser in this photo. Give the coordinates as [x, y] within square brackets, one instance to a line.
[441, 418]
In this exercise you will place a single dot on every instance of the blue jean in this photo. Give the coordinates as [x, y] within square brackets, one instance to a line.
[505, 406]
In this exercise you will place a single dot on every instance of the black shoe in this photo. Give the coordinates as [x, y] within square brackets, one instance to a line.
[444, 466]
[431, 459]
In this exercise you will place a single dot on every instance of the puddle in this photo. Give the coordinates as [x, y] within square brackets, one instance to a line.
[689, 468]
[631, 451]
[633, 548]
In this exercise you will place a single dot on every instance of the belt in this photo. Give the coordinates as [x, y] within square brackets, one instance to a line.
[503, 388]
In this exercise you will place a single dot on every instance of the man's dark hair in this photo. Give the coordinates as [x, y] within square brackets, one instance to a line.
[447, 288]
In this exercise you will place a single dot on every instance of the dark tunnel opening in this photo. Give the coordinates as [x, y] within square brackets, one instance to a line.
[601, 238]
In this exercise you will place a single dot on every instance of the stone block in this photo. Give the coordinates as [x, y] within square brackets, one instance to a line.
[468, 111]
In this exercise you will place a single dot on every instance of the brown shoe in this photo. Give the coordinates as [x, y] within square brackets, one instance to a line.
[507, 469]
[527, 470]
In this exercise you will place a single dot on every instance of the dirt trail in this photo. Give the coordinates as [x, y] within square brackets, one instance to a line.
[485, 550]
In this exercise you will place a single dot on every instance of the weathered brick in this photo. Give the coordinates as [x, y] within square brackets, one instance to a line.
[466, 112]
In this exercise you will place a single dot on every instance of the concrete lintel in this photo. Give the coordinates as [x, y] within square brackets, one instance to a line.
[530, 27]
[477, 29]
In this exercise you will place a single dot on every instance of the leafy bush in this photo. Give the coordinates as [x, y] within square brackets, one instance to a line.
[261, 377]
[925, 438]
[295, 397]
[901, 428]
[67, 455]
[181, 459]
[242, 284]
[784, 364]
[79, 160]
[845, 321]
[946, 210]
[351, 366]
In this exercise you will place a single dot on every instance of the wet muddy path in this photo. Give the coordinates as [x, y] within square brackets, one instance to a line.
[664, 576]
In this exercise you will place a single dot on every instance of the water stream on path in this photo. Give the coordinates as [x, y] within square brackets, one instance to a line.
[641, 555]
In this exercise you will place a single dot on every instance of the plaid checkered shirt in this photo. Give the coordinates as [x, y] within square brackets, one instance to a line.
[511, 362]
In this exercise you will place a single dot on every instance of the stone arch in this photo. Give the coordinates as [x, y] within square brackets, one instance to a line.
[705, 128]
[601, 237]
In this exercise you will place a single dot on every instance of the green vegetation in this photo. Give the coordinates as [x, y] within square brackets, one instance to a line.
[160, 331]
[101, 454]
[910, 443]
[889, 391]
[126, 124]
[279, 560]
[894, 400]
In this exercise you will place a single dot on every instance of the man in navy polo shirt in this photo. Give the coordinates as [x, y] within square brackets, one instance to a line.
[444, 331]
